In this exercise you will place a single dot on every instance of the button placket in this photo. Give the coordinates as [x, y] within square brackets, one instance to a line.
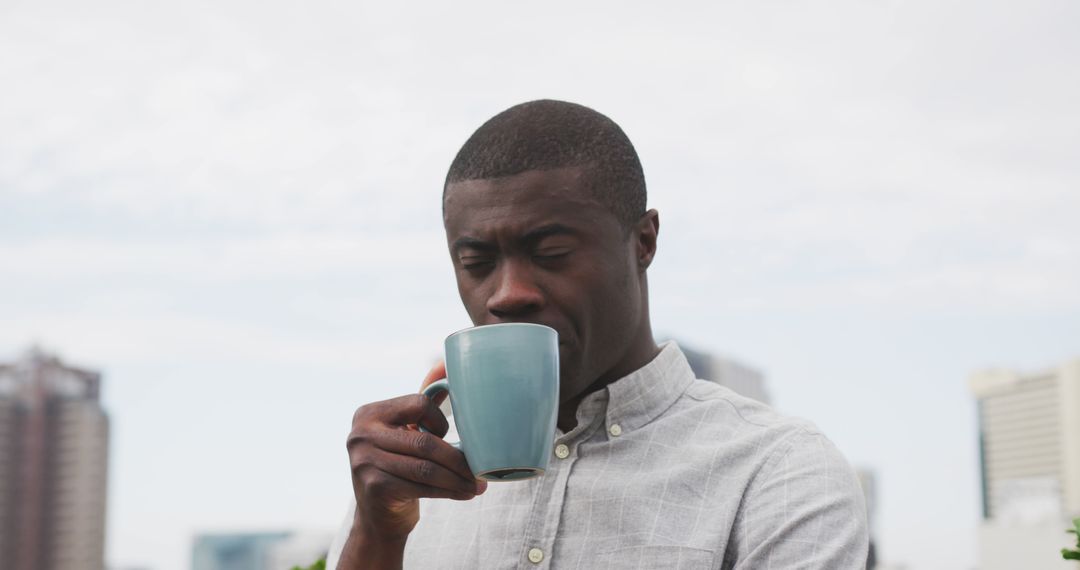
[547, 511]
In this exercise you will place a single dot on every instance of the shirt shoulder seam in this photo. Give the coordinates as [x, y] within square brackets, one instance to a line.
[777, 455]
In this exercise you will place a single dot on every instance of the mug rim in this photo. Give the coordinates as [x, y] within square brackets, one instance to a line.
[467, 329]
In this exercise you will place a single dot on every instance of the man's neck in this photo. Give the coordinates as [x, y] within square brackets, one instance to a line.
[643, 352]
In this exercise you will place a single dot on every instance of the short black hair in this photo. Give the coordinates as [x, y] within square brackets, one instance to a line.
[548, 134]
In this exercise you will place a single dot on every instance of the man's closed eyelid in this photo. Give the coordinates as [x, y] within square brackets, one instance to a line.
[477, 263]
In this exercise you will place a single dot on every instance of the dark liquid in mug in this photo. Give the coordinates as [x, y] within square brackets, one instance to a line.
[510, 474]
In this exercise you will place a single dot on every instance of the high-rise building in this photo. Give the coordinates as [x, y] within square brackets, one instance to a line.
[259, 550]
[1029, 444]
[54, 439]
[299, 549]
[234, 551]
[739, 377]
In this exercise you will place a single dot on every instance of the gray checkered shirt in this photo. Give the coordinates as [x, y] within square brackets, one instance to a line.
[662, 471]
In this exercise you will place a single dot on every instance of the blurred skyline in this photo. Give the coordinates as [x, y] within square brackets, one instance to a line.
[231, 209]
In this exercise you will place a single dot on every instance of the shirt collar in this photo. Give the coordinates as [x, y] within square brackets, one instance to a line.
[639, 397]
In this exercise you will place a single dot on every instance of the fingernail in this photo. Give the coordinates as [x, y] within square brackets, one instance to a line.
[481, 486]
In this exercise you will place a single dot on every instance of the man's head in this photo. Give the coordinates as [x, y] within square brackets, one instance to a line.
[544, 208]
[546, 134]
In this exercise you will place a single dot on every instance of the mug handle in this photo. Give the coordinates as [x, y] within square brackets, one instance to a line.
[433, 390]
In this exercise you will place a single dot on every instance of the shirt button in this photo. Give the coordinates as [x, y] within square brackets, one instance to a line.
[536, 555]
[615, 430]
[561, 451]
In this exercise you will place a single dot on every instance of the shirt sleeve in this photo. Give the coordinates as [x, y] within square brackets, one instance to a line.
[338, 544]
[805, 509]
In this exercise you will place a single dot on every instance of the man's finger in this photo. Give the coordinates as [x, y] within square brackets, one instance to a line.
[437, 372]
[414, 409]
[425, 472]
[388, 484]
[424, 446]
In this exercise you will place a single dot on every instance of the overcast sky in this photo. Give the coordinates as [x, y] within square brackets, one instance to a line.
[231, 209]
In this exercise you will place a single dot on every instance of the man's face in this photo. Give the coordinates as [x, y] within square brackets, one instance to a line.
[536, 247]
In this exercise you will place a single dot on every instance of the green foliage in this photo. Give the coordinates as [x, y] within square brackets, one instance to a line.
[1073, 553]
[320, 565]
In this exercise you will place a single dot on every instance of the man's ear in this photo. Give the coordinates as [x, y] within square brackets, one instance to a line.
[645, 232]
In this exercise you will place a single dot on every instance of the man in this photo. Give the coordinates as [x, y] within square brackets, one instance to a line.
[546, 222]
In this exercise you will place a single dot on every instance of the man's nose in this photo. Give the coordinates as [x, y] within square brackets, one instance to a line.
[516, 291]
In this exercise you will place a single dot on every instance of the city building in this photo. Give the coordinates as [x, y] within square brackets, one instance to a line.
[299, 549]
[240, 551]
[727, 372]
[54, 447]
[1029, 456]
[259, 550]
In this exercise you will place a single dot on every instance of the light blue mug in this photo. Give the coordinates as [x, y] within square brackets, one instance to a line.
[504, 391]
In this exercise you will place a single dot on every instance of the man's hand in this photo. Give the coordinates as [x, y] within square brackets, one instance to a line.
[394, 464]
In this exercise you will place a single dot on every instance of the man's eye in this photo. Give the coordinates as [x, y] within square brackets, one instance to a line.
[476, 263]
[551, 254]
